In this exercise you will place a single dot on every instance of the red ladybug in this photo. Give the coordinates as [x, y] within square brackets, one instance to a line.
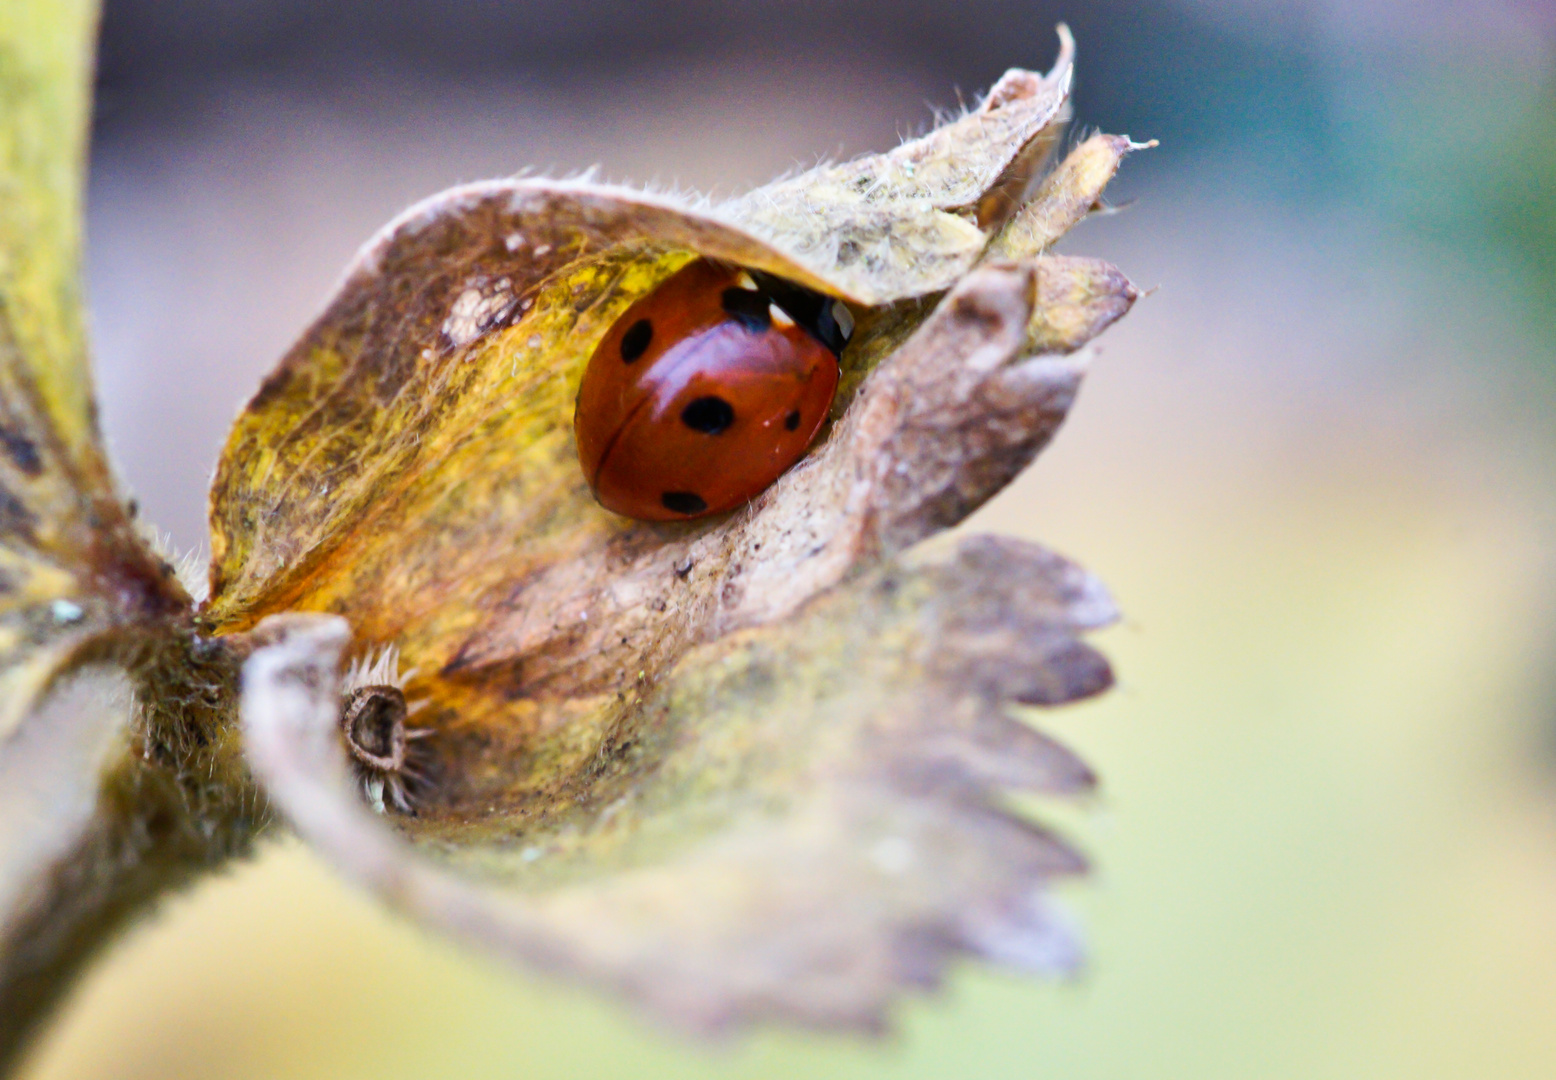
[706, 390]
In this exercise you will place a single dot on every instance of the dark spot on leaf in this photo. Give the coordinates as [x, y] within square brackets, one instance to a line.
[15, 519]
[748, 308]
[636, 339]
[22, 451]
[792, 421]
[683, 502]
[709, 415]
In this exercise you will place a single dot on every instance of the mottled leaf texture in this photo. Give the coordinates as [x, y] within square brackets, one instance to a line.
[70, 568]
[744, 767]
[795, 821]
[81, 598]
[456, 343]
[49, 464]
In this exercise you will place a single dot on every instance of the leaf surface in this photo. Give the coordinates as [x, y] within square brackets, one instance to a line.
[798, 821]
[468, 320]
[70, 563]
[740, 767]
[79, 590]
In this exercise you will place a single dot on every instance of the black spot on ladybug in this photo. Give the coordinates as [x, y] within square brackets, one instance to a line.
[709, 415]
[815, 313]
[636, 340]
[747, 308]
[792, 421]
[683, 502]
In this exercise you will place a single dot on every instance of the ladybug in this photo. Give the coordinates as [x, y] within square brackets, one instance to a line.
[706, 390]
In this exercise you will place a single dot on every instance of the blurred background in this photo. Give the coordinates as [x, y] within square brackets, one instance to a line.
[1317, 466]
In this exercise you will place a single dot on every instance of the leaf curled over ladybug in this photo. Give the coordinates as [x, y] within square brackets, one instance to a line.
[553, 264]
[738, 754]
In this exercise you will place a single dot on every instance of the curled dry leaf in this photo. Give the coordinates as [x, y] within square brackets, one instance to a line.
[1066, 196]
[460, 333]
[795, 820]
[747, 766]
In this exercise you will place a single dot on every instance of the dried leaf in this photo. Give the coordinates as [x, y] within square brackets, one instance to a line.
[797, 821]
[1066, 196]
[738, 767]
[475, 311]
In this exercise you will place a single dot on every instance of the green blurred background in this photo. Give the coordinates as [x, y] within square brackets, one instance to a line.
[1316, 467]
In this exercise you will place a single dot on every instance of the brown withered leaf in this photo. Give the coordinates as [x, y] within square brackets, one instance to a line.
[1066, 196]
[738, 767]
[468, 319]
[795, 822]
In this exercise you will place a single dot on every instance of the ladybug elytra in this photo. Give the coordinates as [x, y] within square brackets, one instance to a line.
[706, 390]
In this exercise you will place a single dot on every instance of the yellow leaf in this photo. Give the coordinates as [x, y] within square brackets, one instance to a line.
[70, 562]
[82, 598]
